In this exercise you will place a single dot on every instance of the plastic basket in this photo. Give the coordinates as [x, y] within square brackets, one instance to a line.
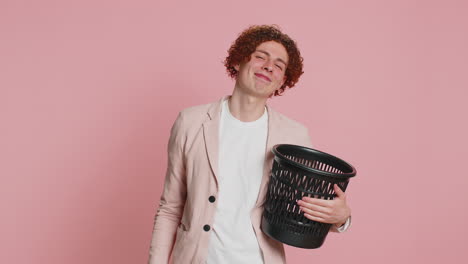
[297, 172]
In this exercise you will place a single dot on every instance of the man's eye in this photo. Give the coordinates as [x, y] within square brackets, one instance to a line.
[279, 67]
[259, 57]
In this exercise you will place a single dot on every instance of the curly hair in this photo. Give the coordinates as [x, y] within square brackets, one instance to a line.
[243, 47]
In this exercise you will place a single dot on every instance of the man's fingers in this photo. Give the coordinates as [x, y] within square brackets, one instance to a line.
[338, 191]
[314, 207]
[317, 201]
[314, 213]
[314, 218]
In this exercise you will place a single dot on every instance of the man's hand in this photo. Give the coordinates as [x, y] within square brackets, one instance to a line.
[334, 211]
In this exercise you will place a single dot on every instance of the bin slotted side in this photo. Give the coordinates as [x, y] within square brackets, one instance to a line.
[289, 182]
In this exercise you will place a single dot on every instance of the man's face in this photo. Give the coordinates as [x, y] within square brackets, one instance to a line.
[265, 71]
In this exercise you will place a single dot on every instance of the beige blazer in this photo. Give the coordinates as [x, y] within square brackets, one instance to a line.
[185, 215]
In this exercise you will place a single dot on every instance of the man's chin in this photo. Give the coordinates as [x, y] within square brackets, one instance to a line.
[261, 88]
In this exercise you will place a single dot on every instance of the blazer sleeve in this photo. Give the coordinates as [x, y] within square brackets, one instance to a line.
[173, 198]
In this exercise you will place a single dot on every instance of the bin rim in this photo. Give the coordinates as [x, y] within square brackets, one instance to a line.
[312, 170]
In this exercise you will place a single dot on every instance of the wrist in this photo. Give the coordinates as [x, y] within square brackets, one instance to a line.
[345, 220]
[340, 224]
[344, 227]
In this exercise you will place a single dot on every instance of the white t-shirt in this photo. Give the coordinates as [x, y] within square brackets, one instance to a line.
[242, 147]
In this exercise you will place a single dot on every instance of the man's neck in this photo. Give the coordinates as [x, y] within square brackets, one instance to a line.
[246, 108]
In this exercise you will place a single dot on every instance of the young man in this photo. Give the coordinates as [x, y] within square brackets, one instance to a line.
[219, 163]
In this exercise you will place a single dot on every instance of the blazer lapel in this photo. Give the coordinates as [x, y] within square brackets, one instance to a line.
[211, 135]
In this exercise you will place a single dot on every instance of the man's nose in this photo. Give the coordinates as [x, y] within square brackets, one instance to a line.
[268, 66]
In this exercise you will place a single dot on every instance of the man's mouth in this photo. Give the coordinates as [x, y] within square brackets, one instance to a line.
[259, 75]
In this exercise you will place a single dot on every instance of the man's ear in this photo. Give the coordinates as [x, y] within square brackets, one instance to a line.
[236, 67]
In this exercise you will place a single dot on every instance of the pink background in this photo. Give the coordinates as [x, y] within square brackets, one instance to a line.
[89, 91]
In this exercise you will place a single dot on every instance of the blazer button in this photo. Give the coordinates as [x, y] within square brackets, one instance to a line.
[206, 228]
[212, 199]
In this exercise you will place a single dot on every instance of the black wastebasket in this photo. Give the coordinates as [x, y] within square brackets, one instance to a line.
[299, 171]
